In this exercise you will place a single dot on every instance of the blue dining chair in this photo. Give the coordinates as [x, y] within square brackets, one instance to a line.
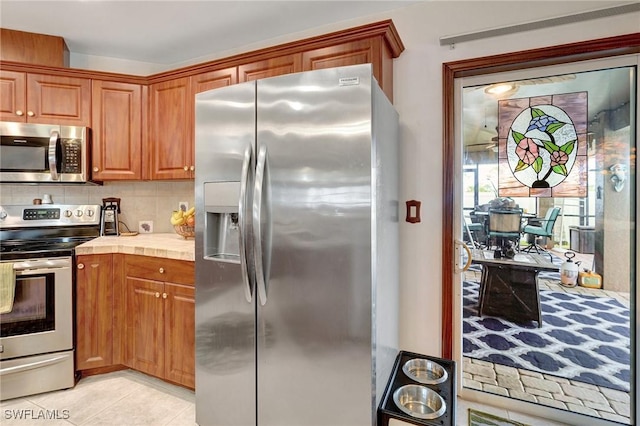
[545, 229]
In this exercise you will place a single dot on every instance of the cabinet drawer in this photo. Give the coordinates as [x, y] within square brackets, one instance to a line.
[160, 269]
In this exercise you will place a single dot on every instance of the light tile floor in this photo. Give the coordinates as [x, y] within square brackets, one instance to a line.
[127, 398]
[123, 398]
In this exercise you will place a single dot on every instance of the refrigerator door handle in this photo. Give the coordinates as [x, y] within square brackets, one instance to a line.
[243, 225]
[258, 196]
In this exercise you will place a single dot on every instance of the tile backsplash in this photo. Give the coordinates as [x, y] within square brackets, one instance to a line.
[139, 201]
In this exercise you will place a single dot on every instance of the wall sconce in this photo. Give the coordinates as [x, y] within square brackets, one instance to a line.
[618, 176]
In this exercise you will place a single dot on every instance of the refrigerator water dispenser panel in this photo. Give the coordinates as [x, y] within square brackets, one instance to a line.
[221, 238]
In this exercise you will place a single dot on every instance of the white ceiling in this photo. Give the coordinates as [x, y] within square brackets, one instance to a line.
[170, 32]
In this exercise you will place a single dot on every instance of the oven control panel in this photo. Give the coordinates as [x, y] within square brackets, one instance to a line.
[51, 215]
[40, 214]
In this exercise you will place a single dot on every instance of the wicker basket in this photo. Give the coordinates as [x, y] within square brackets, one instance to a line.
[185, 231]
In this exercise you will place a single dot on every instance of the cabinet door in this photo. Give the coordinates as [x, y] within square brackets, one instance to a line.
[180, 334]
[13, 96]
[214, 79]
[370, 51]
[116, 131]
[145, 331]
[58, 100]
[353, 53]
[170, 145]
[94, 311]
[270, 68]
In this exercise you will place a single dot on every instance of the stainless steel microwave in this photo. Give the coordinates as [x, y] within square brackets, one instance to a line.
[42, 153]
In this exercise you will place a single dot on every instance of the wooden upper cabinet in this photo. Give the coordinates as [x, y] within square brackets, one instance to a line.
[162, 135]
[352, 53]
[13, 101]
[214, 79]
[170, 143]
[270, 67]
[116, 131]
[47, 99]
[367, 51]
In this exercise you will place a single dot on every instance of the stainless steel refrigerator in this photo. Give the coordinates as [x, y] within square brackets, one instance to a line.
[296, 250]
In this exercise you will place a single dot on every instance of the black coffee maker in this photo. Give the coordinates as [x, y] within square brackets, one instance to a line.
[109, 216]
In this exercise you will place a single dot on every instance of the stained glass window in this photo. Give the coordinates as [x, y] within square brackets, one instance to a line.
[542, 149]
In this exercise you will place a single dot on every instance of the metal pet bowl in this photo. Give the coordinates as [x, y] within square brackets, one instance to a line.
[425, 371]
[419, 401]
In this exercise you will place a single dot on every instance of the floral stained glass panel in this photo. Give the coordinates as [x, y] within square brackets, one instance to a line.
[542, 146]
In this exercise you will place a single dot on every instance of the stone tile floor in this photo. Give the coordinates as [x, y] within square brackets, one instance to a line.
[128, 397]
[547, 389]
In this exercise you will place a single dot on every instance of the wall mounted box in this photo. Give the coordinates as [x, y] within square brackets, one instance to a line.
[32, 48]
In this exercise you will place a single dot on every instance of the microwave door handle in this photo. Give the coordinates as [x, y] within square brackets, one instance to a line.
[53, 160]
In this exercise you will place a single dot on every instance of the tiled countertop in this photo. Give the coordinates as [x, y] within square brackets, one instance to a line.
[171, 246]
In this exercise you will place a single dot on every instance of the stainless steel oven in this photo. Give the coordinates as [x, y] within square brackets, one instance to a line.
[36, 334]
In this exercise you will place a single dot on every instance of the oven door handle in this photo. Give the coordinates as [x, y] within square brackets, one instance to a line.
[35, 264]
[32, 365]
[53, 159]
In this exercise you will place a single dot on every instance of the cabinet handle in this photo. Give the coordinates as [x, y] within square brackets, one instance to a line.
[157, 294]
[19, 113]
[161, 270]
[31, 114]
[186, 168]
[80, 265]
[164, 295]
[96, 169]
[192, 168]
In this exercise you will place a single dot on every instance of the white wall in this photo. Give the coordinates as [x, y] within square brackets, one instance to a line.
[418, 98]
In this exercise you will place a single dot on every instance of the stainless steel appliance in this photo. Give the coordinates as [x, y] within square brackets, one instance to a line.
[36, 153]
[36, 335]
[296, 250]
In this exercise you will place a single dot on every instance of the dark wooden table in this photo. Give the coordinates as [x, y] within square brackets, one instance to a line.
[509, 287]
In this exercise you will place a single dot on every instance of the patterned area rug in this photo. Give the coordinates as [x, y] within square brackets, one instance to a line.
[584, 338]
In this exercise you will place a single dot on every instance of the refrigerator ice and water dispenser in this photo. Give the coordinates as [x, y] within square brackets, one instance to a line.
[221, 239]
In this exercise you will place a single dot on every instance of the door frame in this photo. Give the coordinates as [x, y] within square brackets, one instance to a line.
[526, 59]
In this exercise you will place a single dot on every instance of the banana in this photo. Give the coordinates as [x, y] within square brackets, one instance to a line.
[190, 212]
[177, 218]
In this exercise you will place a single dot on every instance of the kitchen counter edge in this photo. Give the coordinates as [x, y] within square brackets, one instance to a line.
[170, 246]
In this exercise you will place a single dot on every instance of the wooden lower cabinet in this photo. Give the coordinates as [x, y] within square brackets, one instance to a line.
[138, 312]
[180, 334]
[94, 311]
[160, 330]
